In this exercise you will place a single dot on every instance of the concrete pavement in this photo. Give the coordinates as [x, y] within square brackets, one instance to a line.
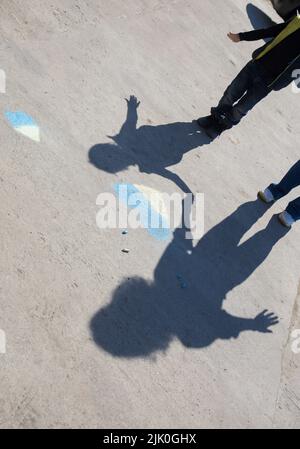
[99, 338]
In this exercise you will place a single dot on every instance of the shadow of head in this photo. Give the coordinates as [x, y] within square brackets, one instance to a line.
[110, 157]
[145, 317]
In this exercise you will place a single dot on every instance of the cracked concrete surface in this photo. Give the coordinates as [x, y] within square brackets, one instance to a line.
[69, 64]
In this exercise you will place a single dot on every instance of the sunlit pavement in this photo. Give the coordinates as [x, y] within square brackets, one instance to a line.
[101, 337]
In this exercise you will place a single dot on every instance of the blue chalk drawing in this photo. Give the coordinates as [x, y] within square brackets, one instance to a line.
[146, 211]
[18, 119]
[24, 124]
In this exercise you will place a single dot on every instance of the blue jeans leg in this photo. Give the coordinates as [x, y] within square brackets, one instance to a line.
[288, 183]
[294, 209]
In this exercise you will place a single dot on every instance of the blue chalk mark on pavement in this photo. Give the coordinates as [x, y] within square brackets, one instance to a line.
[17, 119]
[146, 211]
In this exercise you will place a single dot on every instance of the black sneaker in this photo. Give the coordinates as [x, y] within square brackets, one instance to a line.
[215, 130]
[206, 122]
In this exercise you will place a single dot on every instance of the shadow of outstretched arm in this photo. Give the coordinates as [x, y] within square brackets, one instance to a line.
[176, 179]
[129, 127]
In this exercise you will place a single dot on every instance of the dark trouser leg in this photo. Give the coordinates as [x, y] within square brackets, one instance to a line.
[294, 209]
[288, 182]
[236, 89]
[253, 96]
[241, 96]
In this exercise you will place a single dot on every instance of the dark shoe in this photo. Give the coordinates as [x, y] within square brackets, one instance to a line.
[221, 116]
[206, 122]
[215, 130]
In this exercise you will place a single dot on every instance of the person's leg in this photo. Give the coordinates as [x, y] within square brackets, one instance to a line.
[256, 89]
[254, 95]
[294, 209]
[288, 182]
[234, 91]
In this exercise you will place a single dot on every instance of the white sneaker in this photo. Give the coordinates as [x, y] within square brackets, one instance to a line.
[266, 196]
[286, 219]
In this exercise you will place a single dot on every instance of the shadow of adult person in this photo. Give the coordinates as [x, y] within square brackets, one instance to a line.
[185, 299]
[258, 18]
[151, 148]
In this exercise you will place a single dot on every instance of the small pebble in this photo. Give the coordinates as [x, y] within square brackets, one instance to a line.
[124, 232]
[125, 250]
